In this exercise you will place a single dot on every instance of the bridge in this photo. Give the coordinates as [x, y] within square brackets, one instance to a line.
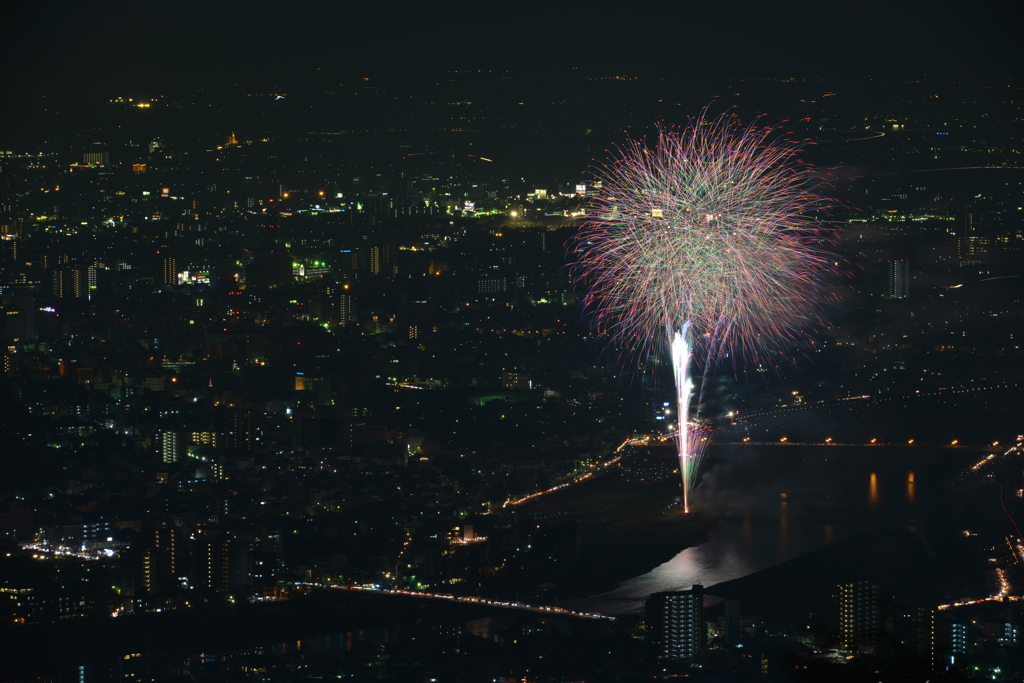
[993, 448]
[471, 600]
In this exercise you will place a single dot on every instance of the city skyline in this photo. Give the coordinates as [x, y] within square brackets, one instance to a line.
[296, 381]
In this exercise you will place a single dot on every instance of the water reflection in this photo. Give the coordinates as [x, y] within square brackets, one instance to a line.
[338, 642]
[783, 530]
[828, 498]
[748, 533]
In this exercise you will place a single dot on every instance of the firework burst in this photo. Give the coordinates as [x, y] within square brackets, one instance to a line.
[708, 243]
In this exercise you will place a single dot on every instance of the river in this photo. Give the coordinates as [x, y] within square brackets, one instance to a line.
[776, 503]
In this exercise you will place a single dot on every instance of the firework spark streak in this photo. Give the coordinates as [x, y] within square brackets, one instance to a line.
[681, 352]
[709, 242]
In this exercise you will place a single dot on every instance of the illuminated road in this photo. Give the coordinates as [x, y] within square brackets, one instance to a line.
[785, 442]
[46, 552]
[469, 600]
[936, 170]
[595, 469]
[871, 400]
[872, 136]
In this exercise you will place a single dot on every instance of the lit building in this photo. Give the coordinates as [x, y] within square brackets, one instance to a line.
[342, 304]
[899, 280]
[158, 560]
[346, 309]
[242, 436]
[972, 247]
[1009, 635]
[263, 571]
[383, 260]
[516, 380]
[914, 632]
[675, 623]
[212, 564]
[858, 604]
[70, 283]
[92, 276]
[26, 605]
[492, 285]
[169, 271]
[960, 638]
[210, 438]
[170, 447]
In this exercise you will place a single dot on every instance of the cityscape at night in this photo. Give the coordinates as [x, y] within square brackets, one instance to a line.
[464, 346]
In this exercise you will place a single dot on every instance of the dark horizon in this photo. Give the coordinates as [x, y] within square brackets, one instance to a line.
[102, 47]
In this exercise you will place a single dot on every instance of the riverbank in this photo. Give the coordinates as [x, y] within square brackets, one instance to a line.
[900, 561]
[626, 528]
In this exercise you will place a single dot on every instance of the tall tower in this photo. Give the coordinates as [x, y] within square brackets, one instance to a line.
[675, 623]
[858, 604]
[899, 279]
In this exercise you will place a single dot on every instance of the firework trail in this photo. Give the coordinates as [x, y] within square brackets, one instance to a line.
[708, 242]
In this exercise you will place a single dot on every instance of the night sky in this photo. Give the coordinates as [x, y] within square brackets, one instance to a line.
[103, 45]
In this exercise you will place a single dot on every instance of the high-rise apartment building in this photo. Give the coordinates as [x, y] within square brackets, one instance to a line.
[858, 603]
[961, 638]
[913, 631]
[384, 260]
[675, 623]
[160, 560]
[899, 279]
[492, 285]
[212, 564]
[263, 571]
[169, 270]
[170, 446]
[973, 247]
[242, 436]
[70, 283]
